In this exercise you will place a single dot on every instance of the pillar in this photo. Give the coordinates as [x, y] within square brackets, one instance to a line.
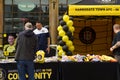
[53, 19]
[1, 21]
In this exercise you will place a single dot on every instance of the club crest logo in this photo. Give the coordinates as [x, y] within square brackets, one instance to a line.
[87, 35]
[2, 74]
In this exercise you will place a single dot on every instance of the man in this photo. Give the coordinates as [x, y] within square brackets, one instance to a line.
[116, 42]
[43, 38]
[9, 49]
[26, 45]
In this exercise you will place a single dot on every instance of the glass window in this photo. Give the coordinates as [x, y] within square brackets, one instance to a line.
[8, 8]
[8, 2]
[44, 1]
[17, 12]
[63, 4]
[62, 1]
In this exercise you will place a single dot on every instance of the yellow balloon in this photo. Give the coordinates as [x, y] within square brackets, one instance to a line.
[66, 18]
[59, 47]
[71, 28]
[63, 53]
[60, 53]
[70, 23]
[65, 38]
[59, 28]
[61, 33]
[71, 48]
[69, 43]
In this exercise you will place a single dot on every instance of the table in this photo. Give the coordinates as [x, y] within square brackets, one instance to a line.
[89, 71]
[66, 71]
[43, 71]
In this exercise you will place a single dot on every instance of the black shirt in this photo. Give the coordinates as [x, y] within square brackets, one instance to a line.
[115, 40]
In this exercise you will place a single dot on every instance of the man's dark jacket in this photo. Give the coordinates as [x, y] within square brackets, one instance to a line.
[26, 45]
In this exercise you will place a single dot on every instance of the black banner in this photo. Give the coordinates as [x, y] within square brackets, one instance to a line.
[65, 71]
[45, 71]
[90, 71]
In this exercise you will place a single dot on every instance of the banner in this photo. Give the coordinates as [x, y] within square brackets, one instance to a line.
[94, 10]
[45, 71]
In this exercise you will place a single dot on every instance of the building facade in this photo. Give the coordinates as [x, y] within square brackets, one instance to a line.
[14, 13]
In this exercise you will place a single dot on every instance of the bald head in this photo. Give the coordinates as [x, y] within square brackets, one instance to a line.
[116, 28]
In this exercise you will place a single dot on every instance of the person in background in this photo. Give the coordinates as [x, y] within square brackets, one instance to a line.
[26, 45]
[9, 49]
[43, 38]
[115, 49]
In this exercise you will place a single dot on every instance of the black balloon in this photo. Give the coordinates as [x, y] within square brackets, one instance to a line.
[59, 38]
[62, 23]
[69, 53]
[60, 18]
[71, 18]
[69, 33]
[65, 48]
[61, 43]
[71, 38]
[65, 28]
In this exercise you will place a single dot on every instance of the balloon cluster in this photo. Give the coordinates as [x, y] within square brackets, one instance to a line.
[65, 36]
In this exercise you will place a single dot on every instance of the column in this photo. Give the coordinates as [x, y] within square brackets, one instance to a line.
[1, 21]
[53, 19]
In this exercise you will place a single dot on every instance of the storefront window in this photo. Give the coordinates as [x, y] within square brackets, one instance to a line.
[17, 12]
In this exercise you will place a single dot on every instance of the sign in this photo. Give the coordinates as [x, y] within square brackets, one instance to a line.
[43, 71]
[26, 6]
[94, 10]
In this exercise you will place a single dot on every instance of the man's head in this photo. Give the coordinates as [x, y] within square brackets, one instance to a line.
[11, 39]
[38, 25]
[116, 28]
[28, 26]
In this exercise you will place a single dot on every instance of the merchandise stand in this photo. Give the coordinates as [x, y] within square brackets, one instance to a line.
[65, 71]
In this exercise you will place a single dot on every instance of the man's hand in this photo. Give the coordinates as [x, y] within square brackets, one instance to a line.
[111, 49]
[48, 50]
[115, 46]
